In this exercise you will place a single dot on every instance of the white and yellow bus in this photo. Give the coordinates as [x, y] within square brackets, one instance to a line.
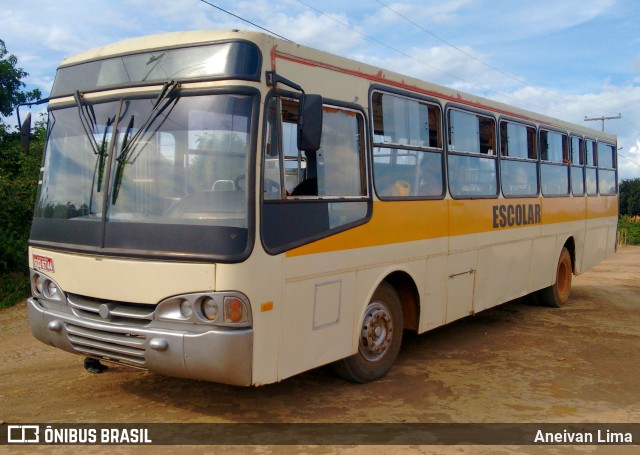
[232, 207]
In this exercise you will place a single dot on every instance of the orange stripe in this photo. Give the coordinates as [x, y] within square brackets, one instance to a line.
[406, 221]
[598, 207]
[561, 209]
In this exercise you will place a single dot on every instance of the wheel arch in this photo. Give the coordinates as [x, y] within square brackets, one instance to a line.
[570, 244]
[405, 287]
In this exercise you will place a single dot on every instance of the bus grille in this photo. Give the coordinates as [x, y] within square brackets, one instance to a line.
[121, 347]
[122, 313]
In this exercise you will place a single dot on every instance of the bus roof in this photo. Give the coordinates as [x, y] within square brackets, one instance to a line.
[325, 60]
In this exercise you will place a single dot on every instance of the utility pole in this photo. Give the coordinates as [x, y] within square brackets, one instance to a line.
[602, 119]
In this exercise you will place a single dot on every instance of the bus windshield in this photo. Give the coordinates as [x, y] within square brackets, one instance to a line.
[134, 176]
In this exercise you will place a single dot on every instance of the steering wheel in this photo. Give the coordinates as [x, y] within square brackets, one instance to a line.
[271, 186]
[237, 180]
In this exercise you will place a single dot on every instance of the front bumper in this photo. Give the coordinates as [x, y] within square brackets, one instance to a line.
[218, 354]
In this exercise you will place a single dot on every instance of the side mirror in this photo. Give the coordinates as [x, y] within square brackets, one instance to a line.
[310, 123]
[25, 133]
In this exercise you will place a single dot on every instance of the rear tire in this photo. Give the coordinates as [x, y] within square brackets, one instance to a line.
[379, 341]
[557, 295]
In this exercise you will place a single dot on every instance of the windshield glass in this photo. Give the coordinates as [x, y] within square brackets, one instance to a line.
[148, 174]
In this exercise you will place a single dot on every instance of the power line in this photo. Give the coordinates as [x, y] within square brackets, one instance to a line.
[370, 38]
[520, 81]
[510, 76]
[494, 92]
[245, 20]
[629, 159]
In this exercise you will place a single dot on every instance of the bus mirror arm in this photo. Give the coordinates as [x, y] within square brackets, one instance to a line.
[25, 127]
[309, 115]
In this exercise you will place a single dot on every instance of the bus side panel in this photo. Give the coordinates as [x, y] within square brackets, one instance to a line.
[433, 308]
[595, 243]
[461, 275]
[503, 274]
[602, 221]
[580, 247]
[544, 259]
[317, 322]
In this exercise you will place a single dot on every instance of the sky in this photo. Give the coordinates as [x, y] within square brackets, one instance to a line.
[570, 59]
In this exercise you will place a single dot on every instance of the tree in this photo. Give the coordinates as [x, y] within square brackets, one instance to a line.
[19, 174]
[11, 83]
[630, 197]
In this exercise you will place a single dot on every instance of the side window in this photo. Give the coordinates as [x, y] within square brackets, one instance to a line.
[471, 158]
[590, 172]
[518, 160]
[407, 149]
[336, 169]
[577, 166]
[339, 164]
[606, 168]
[554, 165]
[309, 195]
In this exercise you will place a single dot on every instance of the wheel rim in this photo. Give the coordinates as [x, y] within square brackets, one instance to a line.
[564, 279]
[377, 332]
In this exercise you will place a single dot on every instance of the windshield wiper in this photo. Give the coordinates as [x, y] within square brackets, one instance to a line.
[120, 167]
[128, 145]
[103, 152]
[87, 123]
[158, 107]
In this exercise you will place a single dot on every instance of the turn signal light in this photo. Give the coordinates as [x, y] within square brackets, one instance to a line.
[234, 310]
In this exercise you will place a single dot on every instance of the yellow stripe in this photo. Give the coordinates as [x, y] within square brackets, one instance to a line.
[406, 221]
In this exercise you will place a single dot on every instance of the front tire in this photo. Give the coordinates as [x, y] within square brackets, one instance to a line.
[379, 341]
[557, 295]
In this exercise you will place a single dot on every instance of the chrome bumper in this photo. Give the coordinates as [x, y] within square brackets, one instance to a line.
[219, 354]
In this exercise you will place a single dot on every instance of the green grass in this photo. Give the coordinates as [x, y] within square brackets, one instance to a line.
[14, 288]
[630, 230]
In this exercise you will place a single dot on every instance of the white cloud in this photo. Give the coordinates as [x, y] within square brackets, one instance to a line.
[324, 32]
[41, 32]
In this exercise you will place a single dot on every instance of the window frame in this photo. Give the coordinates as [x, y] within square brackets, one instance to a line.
[478, 155]
[516, 159]
[546, 163]
[580, 166]
[393, 147]
[591, 167]
[614, 169]
[288, 223]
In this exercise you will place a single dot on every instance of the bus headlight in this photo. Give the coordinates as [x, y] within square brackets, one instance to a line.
[210, 308]
[226, 309]
[43, 287]
[36, 284]
[186, 308]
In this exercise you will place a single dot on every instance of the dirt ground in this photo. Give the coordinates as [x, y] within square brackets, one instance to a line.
[514, 363]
